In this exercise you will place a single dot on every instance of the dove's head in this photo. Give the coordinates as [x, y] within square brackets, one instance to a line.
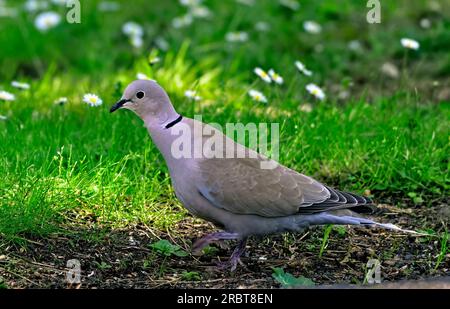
[148, 100]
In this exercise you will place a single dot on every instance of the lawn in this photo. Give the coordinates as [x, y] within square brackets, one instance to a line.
[79, 182]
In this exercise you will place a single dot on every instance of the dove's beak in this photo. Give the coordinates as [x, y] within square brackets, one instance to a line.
[118, 105]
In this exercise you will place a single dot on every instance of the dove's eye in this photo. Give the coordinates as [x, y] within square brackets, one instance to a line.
[140, 94]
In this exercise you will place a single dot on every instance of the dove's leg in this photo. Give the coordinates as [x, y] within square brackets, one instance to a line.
[235, 256]
[205, 241]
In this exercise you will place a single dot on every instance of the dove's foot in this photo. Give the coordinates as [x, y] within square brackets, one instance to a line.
[218, 236]
[235, 257]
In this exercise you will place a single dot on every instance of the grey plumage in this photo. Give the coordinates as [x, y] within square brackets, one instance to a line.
[235, 193]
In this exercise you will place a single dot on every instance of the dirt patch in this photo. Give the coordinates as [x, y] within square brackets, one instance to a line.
[123, 258]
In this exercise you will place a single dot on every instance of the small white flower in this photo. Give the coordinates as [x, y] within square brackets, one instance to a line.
[142, 76]
[425, 23]
[19, 85]
[61, 101]
[257, 96]
[108, 6]
[307, 108]
[301, 67]
[35, 5]
[200, 11]
[410, 43]
[191, 94]
[315, 91]
[312, 27]
[47, 20]
[276, 77]
[264, 76]
[239, 36]
[3, 118]
[92, 99]
[136, 41]
[291, 4]
[190, 2]
[262, 26]
[262, 258]
[6, 96]
[132, 29]
[182, 21]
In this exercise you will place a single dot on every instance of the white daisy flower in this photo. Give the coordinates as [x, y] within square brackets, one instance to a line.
[136, 41]
[6, 96]
[312, 27]
[35, 5]
[190, 2]
[191, 94]
[92, 100]
[316, 91]
[301, 67]
[47, 20]
[239, 36]
[257, 96]
[61, 101]
[108, 6]
[132, 29]
[3, 118]
[264, 76]
[19, 85]
[182, 21]
[142, 76]
[291, 4]
[276, 77]
[410, 43]
[200, 11]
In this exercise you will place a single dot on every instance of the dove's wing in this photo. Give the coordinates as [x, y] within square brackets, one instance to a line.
[240, 186]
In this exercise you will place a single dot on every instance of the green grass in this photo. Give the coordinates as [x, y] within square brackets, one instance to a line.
[73, 166]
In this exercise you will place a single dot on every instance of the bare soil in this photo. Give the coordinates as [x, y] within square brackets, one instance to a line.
[123, 258]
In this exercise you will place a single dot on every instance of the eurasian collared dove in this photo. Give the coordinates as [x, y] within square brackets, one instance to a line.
[235, 193]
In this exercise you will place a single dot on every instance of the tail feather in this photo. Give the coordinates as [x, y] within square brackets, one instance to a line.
[327, 218]
[389, 226]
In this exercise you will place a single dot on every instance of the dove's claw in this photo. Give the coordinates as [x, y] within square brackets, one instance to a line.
[235, 257]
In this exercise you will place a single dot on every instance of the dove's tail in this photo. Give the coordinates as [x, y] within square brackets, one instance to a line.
[328, 218]
[364, 221]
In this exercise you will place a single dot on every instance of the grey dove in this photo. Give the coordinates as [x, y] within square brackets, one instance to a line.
[235, 193]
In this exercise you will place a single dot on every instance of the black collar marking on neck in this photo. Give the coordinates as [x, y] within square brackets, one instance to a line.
[171, 124]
